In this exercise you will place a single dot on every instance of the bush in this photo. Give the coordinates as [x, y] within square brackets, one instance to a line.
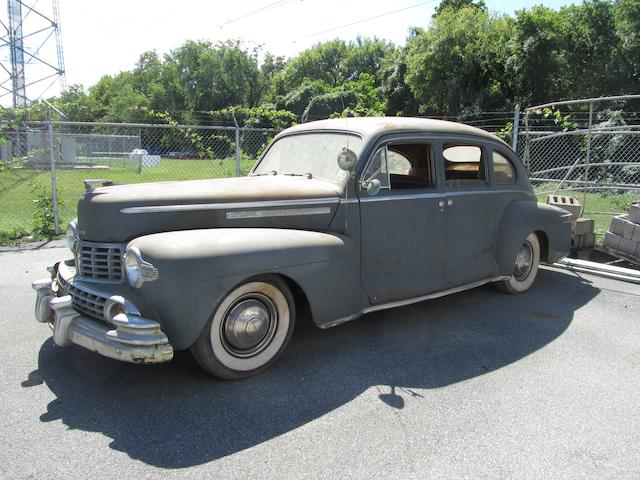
[43, 218]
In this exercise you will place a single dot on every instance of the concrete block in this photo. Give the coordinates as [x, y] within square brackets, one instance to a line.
[585, 241]
[628, 246]
[583, 225]
[589, 240]
[611, 240]
[570, 204]
[634, 212]
[636, 234]
[618, 224]
[629, 227]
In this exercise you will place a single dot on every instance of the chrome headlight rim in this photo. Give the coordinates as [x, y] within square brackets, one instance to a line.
[132, 261]
[72, 236]
[136, 269]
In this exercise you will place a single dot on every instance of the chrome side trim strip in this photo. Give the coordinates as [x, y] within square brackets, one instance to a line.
[420, 196]
[198, 207]
[409, 301]
[282, 212]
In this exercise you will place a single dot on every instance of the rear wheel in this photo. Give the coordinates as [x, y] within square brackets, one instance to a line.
[249, 329]
[525, 268]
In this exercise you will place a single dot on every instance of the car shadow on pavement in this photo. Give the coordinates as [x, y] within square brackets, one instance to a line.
[175, 416]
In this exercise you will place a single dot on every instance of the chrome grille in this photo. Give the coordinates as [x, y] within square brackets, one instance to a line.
[84, 301]
[100, 261]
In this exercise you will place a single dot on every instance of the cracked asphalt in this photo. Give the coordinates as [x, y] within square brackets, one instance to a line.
[475, 385]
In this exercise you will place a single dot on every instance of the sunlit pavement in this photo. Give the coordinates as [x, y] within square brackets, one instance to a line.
[477, 385]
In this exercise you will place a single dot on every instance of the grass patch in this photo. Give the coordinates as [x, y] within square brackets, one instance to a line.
[600, 206]
[16, 196]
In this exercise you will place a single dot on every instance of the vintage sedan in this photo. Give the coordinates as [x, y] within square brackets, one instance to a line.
[343, 217]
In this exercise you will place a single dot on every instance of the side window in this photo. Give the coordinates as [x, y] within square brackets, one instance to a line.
[377, 168]
[463, 165]
[503, 170]
[398, 164]
[401, 166]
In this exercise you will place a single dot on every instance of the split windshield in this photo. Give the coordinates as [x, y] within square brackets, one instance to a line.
[312, 154]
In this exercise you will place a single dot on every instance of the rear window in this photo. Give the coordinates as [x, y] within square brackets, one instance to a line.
[503, 170]
[463, 165]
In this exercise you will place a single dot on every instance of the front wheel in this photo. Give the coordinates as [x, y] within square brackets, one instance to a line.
[248, 330]
[525, 268]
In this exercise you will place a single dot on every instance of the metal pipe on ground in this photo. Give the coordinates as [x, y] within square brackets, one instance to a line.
[602, 270]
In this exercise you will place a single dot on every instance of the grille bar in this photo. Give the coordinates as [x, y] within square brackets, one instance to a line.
[100, 261]
[84, 301]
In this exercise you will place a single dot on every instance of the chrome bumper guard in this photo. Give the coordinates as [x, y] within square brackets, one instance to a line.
[135, 339]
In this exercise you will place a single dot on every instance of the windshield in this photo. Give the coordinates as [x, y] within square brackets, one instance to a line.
[308, 153]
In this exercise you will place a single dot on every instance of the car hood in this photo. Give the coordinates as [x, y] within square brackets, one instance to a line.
[121, 212]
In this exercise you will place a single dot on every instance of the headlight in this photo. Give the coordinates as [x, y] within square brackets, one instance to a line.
[138, 271]
[72, 235]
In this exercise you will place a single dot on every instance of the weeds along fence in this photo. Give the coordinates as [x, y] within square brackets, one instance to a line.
[56, 157]
[586, 148]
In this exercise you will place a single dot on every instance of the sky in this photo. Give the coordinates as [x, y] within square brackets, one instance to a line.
[106, 37]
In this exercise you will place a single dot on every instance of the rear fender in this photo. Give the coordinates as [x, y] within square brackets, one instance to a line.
[524, 217]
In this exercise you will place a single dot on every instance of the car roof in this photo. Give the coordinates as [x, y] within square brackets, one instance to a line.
[369, 127]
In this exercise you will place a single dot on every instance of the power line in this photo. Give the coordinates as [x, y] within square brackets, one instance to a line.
[270, 6]
[371, 18]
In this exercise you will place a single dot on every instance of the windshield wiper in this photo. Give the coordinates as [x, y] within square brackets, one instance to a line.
[308, 175]
[272, 172]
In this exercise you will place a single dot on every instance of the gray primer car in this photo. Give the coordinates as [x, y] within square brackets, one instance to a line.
[345, 216]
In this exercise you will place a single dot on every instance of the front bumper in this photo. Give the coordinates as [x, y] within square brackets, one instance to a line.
[127, 336]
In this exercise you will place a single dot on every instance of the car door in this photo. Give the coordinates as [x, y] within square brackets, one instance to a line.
[402, 222]
[470, 212]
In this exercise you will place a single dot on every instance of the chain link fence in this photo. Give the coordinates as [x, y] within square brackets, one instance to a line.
[34, 156]
[589, 149]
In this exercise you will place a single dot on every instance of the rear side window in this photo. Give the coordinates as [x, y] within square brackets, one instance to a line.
[463, 165]
[503, 170]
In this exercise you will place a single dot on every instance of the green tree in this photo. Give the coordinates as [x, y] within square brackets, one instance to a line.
[457, 5]
[627, 18]
[458, 64]
[537, 66]
[336, 62]
[592, 47]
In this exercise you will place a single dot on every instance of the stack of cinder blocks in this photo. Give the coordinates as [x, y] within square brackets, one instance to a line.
[583, 236]
[623, 236]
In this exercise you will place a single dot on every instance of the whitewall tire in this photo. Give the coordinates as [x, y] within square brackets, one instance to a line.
[248, 330]
[525, 268]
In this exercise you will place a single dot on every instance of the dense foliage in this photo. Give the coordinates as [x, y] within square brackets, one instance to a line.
[468, 60]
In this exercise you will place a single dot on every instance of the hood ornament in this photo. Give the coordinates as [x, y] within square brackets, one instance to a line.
[91, 185]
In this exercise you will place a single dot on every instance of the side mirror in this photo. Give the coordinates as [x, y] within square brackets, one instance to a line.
[347, 160]
[372, 186]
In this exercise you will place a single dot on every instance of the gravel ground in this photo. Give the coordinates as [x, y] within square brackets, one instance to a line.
[474, 385]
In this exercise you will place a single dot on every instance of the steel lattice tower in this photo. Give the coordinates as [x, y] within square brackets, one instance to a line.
[31, 53]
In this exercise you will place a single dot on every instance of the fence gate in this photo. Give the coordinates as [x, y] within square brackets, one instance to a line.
[587, 148]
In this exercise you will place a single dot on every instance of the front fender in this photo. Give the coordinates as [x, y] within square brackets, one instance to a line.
[524, 217]
[197, 268]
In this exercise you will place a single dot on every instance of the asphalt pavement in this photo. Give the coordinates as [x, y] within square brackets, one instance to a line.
[476, 385]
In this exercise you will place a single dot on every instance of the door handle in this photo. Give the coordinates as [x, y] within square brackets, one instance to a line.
[449, 202]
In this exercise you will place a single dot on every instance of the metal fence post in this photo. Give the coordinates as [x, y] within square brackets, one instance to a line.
[588, 159]
[516, 128]
[527, 160]
[238, 171]
[54, 187]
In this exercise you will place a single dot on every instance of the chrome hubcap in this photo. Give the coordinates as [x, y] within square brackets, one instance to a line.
[524, 262]
[248, 325]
